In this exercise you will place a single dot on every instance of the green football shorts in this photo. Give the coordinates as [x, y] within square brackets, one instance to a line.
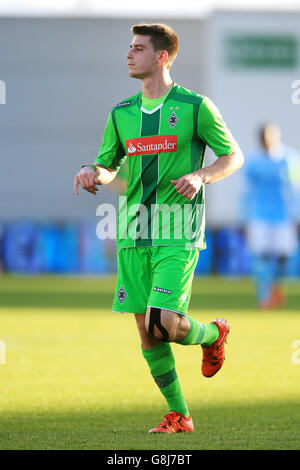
[154, 276]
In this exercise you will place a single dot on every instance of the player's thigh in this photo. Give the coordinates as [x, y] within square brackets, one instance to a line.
[148, 341]
[173, 272]
[276, 239]
[259, 237]
[285, 239]
[133, 280]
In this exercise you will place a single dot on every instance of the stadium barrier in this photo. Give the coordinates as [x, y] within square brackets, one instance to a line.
[73, 248]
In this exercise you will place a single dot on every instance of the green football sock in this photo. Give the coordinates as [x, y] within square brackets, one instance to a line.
[161, 362]
[200, 333]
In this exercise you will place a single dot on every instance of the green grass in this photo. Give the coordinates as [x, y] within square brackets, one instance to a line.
[75, 378]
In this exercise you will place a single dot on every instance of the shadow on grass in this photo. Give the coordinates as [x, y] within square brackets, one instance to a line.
[262, 426]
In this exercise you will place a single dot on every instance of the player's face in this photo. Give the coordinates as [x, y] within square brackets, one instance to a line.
[142, 59]
[272, 137]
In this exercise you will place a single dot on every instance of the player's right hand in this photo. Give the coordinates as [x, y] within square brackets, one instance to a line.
[88, 179]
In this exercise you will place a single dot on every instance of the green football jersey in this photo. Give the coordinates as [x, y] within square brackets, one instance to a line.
[160, 145]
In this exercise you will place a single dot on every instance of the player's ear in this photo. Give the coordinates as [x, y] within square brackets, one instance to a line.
[163, 57]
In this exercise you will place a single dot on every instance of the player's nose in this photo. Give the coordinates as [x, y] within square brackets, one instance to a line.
[128, 55]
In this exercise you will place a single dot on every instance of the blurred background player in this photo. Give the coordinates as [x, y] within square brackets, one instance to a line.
[269, 206]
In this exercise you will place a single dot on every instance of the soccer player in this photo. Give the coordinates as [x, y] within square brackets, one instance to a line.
[162, 131]
[270, 208]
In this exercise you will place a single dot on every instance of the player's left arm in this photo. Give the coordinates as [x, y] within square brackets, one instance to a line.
[224, 166]
[212, 130]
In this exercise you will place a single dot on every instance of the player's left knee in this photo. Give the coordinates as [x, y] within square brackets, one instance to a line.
[162, 324]
[155, 326]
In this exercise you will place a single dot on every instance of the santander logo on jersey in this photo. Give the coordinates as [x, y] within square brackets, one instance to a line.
[151, 145]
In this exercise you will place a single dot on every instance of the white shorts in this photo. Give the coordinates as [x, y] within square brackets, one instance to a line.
[278, 239]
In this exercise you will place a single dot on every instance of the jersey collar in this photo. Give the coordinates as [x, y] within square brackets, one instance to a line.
[173, 90]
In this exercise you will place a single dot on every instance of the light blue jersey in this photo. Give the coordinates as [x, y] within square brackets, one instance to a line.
[269, 196]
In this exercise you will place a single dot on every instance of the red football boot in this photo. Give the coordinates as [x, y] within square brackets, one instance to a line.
[214, 355]
[277, 296]
[275, 300]
[174, 422]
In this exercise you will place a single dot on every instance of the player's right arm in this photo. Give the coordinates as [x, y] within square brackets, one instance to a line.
[107, 164]
[90, 176]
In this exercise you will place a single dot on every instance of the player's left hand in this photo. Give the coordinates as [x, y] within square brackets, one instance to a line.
[188, 185]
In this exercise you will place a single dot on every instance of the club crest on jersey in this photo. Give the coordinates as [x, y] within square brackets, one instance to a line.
[173, 119]
[152, 145]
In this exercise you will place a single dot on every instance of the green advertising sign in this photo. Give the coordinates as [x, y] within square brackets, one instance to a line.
[261, 51]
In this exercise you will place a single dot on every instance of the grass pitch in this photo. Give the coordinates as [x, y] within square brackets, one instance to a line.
[74, 376]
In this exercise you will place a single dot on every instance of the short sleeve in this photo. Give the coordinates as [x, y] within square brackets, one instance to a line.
[213, 130]
[111, 153]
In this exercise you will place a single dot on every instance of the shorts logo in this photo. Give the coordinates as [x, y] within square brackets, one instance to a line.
[121, 295]
[152, 145]
[164, 291]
